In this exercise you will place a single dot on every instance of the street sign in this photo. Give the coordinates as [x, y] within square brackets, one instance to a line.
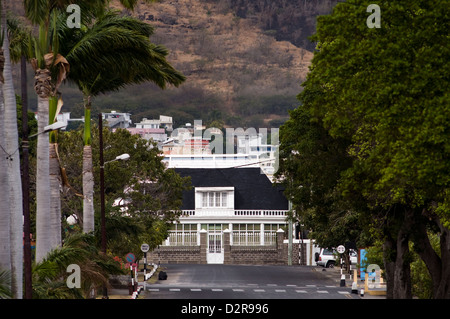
[341, 249]
[145, 248]
[130, 257]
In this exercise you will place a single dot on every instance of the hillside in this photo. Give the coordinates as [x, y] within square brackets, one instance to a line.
[244, 60]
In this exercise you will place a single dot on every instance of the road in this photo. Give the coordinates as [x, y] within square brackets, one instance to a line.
[245, 282]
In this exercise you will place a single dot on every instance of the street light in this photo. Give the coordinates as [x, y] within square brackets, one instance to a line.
[52, 127]
[122, 157]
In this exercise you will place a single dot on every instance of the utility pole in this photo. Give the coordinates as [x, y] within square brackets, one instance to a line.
[290, 236]
[102, 194]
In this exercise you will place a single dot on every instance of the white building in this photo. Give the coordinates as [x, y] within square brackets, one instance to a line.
[117, 120]
[156, 134]
[241, 203]
[164, 122]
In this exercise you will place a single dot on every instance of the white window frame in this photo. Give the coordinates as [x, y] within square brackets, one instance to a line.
[214, 197]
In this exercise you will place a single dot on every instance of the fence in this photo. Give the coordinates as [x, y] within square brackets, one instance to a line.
[181, 239]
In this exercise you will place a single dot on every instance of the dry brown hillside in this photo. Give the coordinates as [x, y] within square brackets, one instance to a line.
[244, 60]
[223, 53]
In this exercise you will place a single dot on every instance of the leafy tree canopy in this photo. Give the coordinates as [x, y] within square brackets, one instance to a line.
[143, 197]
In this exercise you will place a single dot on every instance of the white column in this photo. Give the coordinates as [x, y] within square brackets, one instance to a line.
[261, 232]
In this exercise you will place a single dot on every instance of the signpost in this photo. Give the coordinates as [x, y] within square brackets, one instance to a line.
[130, 257]
[341, 250]
[145, 248]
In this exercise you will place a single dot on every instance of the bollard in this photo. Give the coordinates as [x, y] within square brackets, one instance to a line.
[354, 288]
[362, 292]
[342, 280]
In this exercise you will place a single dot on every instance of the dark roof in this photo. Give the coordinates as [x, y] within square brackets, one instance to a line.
[252, 188]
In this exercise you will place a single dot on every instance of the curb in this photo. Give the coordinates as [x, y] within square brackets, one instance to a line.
[135, 293]
[335, 275]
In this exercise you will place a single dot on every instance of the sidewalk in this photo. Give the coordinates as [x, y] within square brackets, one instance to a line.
[124, 293]
[335, 275]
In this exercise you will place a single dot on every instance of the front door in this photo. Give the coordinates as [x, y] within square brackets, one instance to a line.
[215, 252]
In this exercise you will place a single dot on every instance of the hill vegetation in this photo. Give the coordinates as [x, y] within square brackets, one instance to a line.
[244, 60]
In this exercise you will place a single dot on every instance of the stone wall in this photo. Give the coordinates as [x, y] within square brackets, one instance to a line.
[176, 255]
[233, 255]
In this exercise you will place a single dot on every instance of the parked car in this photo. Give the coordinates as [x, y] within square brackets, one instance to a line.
[327, 257]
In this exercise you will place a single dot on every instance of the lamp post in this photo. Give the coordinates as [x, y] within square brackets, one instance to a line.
[122, 157]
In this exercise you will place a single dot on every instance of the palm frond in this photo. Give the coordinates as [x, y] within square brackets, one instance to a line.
[54, 289]
[36, 10]
[115, 52]
[20, 41]
[5, 284]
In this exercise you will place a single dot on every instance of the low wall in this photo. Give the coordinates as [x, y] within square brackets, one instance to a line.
[238, 255]
[176, 255]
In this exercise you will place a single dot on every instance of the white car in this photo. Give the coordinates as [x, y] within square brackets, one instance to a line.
[327, 257]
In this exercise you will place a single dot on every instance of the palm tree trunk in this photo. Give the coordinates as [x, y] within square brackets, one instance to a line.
[13, 169]
[88, 190]
[88, 175]
[43, 243]
[55, 179]
[55, 197]
[5, 220]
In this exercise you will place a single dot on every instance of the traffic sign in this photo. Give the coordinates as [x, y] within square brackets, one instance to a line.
[341, 249]
[145, 248]
[130, 257]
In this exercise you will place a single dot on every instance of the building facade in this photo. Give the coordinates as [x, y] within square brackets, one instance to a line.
[230, 216]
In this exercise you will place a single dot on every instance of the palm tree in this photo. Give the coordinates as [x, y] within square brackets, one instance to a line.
[46, 59]
[20, 52]
[49, 274]
[114, 52]
[13, 181]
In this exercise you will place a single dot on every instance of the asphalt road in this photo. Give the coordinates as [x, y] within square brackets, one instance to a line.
[245, 282]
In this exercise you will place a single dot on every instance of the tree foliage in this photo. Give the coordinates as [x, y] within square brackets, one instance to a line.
[384, 91]
[142, 196]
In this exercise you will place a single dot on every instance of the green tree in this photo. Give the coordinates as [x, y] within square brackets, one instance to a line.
[143, 197]
[311, 163]
[111, 54]
[50, 70]
[386, 91]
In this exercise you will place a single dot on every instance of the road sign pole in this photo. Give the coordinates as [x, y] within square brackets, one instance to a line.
[341, 250]
[145, 248]
[145, 266]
